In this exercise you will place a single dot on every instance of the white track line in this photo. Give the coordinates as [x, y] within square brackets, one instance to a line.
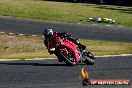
[94, 24]
[56, 58]
[34, 35]
[2, 32]
[21, 34]
[108, 25]
[121, 26]
[10, 33]
[115, 55]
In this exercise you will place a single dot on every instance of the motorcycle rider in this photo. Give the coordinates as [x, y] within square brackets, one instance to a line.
[49, 34]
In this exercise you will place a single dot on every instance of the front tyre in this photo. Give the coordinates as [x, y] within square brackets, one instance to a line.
[88, 57]
[68, 58]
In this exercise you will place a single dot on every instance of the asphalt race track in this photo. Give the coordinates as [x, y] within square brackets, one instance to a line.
[109, 33]
[52, 74]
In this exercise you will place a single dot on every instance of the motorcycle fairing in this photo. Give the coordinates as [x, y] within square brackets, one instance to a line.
[71, 46]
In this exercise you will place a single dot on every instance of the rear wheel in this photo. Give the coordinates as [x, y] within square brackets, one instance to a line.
[69, 58]
[88, 57]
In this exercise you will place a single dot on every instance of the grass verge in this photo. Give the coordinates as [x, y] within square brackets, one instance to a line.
[64, 11]
[26, 47]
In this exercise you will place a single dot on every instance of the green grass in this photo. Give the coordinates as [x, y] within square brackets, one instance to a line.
[26, 47]
[64, 11]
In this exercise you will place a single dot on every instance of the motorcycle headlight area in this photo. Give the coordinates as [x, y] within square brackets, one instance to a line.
[58, 44]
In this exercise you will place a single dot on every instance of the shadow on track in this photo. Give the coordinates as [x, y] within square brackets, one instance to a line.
[37, 64]
[34, 64]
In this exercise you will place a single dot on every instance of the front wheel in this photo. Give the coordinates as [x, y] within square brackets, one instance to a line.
[88, 57]
[68, 58]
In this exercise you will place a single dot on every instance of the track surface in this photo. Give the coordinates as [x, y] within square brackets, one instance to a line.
[52, 74]
[111, 33]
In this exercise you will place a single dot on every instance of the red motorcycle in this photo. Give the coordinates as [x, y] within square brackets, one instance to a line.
[68, 52]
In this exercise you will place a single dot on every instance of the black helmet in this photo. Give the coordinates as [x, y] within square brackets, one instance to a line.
[48, 32]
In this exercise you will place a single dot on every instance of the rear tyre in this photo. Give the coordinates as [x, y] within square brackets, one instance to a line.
[88, 57]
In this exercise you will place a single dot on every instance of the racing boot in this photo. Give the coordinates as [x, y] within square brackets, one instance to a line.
[81, 46]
